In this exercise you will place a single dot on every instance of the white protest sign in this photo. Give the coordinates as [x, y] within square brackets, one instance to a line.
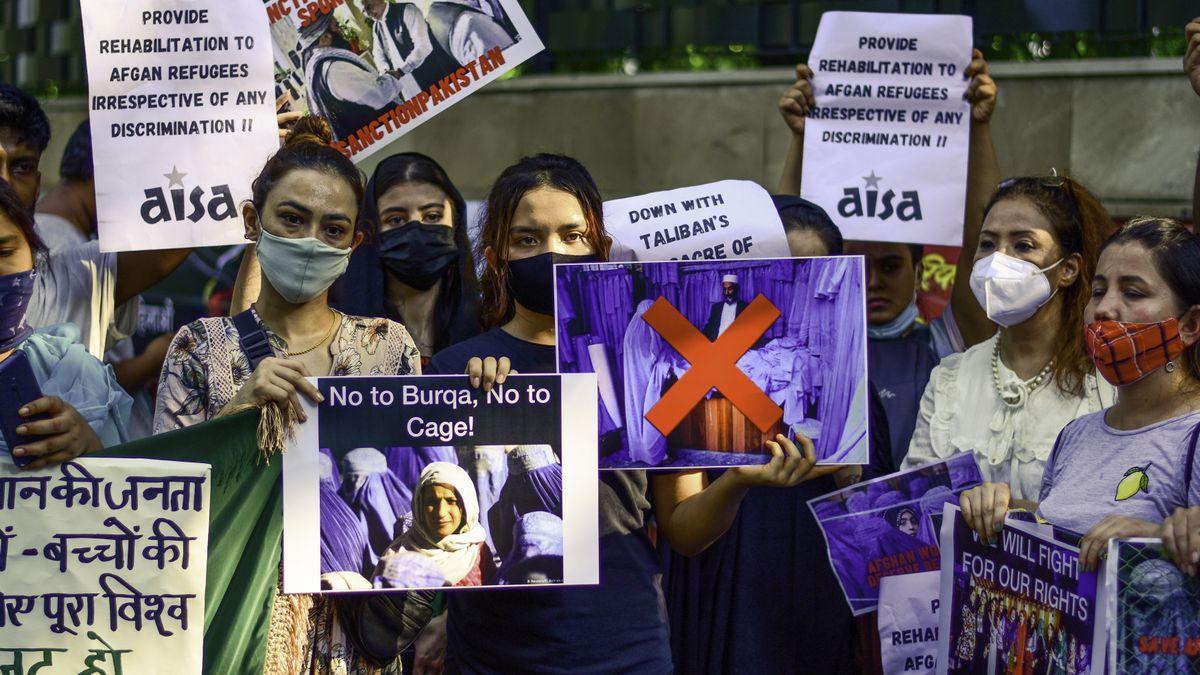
[908, 622]
[102, 566]
[377, 70]
[717, 221]
[182, 117]
[885, 147]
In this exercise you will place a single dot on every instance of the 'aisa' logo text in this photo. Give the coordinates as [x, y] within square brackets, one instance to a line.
[870, 203]
[173, 204]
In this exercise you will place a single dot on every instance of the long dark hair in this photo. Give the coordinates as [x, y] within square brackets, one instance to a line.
[362, 289]
[307, 147]
[1080, 225]
[1176, 253]
[12, 208]
[545, 170]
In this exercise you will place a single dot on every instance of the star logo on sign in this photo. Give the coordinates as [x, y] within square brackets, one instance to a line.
[176, 177]
[872, 181]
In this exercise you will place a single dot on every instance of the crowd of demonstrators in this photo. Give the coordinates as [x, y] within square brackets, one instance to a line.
[1067, 363]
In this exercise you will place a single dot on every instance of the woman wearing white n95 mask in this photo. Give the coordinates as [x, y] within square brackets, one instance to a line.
[1006, 398]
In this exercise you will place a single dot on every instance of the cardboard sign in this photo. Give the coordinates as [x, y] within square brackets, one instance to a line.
[398, 483]
[885, 148]
[1021, 604]
[377, 69]
[102, 566]
[718, 221]
[888, 526]
[710, 360]
[182, 118]
[909, 608]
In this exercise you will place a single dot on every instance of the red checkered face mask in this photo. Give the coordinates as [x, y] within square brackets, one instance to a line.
[1126, 352]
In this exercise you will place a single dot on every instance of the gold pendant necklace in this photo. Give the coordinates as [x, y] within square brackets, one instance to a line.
[332, 324]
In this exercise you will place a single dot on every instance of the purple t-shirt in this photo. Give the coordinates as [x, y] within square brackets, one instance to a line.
[1096, 470]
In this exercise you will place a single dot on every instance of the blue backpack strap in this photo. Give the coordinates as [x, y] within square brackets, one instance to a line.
[252, 338]
[1190, 462]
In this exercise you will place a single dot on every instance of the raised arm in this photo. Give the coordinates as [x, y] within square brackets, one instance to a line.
[794, 108]
[983, 174]
[139, 270]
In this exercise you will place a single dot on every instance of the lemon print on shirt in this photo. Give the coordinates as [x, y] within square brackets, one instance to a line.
[1135, 481]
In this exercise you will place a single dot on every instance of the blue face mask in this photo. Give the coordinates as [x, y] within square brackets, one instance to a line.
[15, 291]
[897, 326]
[300, 269]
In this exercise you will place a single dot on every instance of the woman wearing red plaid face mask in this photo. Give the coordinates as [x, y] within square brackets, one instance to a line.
[1121, 471]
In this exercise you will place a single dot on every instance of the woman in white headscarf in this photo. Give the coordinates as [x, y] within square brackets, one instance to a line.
[446, 529]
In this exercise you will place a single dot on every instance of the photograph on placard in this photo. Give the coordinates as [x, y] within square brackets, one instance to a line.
[700, 363]
[887, 526]
[1022, 605]
[426, 482]
[376, 69]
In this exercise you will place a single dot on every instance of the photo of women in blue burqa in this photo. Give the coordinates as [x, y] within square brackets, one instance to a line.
[886, 526]
[810, 361]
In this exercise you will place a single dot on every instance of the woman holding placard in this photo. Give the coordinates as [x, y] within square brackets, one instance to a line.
[1121, 471]
[302, 214]
[82, 408]
[543, 210]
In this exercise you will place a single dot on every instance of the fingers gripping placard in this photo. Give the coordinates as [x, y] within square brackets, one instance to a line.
[713, 365]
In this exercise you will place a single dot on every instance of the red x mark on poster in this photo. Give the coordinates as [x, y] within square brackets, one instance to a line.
[714, 364]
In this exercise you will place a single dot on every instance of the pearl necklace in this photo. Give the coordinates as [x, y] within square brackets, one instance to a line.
[1014, 396]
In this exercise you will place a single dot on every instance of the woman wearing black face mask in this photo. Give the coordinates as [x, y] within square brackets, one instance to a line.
[543, 210]
[416, 267]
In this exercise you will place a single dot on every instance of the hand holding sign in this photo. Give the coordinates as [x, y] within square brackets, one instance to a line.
[797, 100]
[1095, 543]
[787, 467]
[1180, 534]
[981, 93]
[985, 507]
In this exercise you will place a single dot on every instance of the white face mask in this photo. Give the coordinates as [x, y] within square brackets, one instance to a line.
[300, 269]
[1009, 289]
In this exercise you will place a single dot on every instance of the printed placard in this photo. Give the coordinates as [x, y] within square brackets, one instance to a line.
[398, 483]
[885, 147]
[889, 525]
[1155, 610]
[377, 69]
[102, 566]
[182, 118]
[706, 361]
[1023, 604]
[909, 607]
[718, 221]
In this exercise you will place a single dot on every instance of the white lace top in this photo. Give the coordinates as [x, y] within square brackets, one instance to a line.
[961, 411]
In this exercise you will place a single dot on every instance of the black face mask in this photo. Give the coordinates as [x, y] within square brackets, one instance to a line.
[531, 280]
[418, 253]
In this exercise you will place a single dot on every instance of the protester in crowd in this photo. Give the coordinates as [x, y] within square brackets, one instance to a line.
[810, 231]
[83, 407]
[415, 266]
[902, 349]
[79, 284]
[724, 614]
[66, 214]
[1007, 398]
[302, 215]
[445, 528]
[1121, 471]
[542, 210]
